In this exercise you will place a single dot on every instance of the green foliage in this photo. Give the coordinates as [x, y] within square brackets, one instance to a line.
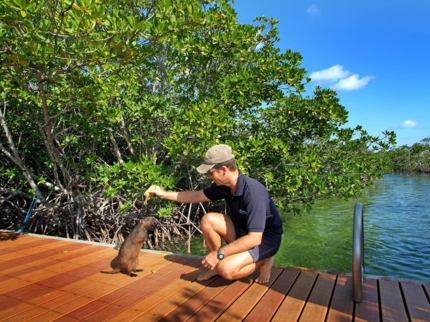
[415, 158]
[131, 179]
[128, 94]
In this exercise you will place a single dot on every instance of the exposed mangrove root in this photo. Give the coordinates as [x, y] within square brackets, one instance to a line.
[97, 219]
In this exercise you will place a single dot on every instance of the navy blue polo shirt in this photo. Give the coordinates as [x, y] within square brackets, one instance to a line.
[251, 207]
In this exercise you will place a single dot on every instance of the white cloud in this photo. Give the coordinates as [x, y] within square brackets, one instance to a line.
[333, 73]
[353, 82]
[313, 10]
[340, 78]
[409, 123]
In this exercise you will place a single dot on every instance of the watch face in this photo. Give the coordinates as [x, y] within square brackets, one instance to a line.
[220, 254]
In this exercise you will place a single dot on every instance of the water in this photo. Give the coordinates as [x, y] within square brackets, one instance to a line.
[396, 231]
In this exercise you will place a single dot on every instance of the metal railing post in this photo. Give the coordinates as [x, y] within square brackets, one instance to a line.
[358, 253]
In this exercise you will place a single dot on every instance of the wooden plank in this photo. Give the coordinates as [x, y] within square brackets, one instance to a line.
[416, 302]
[426, 287]
[105, 294]
[317, 304]
[392, 306]
[18, 258]
[241, 307]
[186, 288]
[156, 292]
[119, 300]
[268, 305]
[41, 281]
[293, 304]
[342, 303]
[169, 287]
[368, 308]
[21, 258]
[24, 316]
[222, 301]
[46, 297]
[7, 237]
[81, 255]
[47, 316]
[196, 302]
[33, 278]
[11, 312]
[12, 247]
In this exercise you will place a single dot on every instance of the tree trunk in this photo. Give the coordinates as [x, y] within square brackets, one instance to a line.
[14, 156]
[47, 131]
[115, 147]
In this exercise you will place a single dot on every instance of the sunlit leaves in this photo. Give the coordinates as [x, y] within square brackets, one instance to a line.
[136, 92]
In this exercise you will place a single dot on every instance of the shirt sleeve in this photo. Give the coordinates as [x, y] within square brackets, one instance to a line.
[213, 192]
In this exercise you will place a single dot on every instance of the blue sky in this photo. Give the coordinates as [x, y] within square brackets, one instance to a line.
[374, 53]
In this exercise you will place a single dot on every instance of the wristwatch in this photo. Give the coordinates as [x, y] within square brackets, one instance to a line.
[220, 254]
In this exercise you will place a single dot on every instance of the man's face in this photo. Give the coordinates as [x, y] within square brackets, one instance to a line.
[218, 176]
[212, 175]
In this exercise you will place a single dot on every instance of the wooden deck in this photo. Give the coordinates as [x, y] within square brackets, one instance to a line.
[51, 279]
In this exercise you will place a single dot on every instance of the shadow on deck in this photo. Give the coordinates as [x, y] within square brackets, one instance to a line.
[52, 279]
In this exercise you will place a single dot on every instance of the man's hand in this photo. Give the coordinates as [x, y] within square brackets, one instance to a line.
[154, 190]
[211, 260]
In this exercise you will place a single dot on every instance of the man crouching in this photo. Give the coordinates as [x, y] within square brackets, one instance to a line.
[252, 231]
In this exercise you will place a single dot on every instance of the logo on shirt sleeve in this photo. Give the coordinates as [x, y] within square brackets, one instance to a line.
[242, 212]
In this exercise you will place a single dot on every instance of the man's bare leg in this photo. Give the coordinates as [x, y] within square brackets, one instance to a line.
[214, 226]
[265, 270]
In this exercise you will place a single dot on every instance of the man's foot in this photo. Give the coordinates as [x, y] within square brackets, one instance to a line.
[265, 270]
[207, 275]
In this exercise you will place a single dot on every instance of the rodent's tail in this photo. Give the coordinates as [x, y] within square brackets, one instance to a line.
[111, 272]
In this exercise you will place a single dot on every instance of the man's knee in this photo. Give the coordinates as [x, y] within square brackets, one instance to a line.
[236, 266]
[208, 221]
[226, 271]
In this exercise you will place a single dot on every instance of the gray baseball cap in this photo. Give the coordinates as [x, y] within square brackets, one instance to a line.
[216, 154]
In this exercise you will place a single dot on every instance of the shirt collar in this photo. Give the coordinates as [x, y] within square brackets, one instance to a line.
[240, 184]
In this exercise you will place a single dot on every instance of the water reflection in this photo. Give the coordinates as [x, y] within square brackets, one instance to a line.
[396, 229]
[396, 226]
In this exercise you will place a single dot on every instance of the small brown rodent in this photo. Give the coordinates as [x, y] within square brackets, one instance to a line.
[128, 255]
